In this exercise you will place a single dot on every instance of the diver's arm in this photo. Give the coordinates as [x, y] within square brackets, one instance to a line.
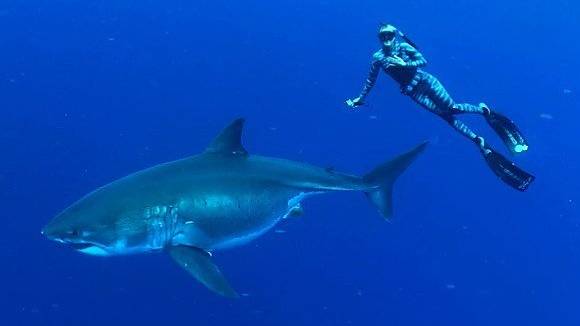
[371, 78]
[369, 83]
[417, 59]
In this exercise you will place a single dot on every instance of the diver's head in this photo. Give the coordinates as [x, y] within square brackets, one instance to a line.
[387, 35]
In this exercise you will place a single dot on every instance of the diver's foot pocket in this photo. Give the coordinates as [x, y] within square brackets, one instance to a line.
[480, 142]
[506, 170]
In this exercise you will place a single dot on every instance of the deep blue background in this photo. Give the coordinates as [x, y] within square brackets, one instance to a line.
[93, 90]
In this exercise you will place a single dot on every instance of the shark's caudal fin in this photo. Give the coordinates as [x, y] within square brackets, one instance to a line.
[229, 140]
[383, 177]
[198, 263]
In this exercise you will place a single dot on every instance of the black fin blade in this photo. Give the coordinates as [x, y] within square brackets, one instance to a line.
[507, 171]
[229, 141]
[509, 133]
[198, 263]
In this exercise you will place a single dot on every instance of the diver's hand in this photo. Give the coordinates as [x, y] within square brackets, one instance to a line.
[355, 102]
[396, 61]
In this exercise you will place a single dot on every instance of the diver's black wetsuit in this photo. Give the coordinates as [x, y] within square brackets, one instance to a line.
[421, 86]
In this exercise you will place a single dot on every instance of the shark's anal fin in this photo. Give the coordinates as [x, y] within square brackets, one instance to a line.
[198, 263]
[229, 141]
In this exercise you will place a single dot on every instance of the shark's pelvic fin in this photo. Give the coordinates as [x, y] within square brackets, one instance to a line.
[198, 263]
[296, 211]
[229, 141]
[383, 177]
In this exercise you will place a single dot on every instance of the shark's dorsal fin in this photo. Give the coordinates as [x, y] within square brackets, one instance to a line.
[229, 140]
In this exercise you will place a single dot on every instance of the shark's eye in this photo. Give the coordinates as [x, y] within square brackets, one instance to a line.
[74, 232]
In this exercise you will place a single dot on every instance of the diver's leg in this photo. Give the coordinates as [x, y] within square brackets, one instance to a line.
[441, 97]
[422, 98]
[463, 129]
[503, 126]
[431, 94]
[470, 108]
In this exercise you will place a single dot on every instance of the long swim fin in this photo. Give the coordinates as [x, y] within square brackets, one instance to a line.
[506, 170]
[507, 130]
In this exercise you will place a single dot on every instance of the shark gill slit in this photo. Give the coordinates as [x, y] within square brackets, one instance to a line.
[170, 224]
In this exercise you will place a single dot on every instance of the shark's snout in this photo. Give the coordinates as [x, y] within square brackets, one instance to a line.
[71, 237]
[49, 231]
[52, 232]
[61, 230]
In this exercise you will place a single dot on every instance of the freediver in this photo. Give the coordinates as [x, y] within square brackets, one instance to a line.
[400, 59]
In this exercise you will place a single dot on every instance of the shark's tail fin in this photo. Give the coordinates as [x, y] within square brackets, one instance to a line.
[382, 178]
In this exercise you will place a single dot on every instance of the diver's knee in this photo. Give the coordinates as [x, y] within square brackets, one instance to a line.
[448, 117]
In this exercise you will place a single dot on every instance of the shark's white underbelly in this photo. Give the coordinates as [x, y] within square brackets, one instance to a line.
[249, 220]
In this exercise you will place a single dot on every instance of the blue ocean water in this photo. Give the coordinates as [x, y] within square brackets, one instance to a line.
[93, 90]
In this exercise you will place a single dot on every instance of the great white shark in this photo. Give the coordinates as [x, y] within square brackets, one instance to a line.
[221, 198]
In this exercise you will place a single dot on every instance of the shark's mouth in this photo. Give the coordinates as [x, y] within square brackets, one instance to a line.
[81, 246]
[89, 248]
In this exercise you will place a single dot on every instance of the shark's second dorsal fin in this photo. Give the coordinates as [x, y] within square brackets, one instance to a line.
[229, 140]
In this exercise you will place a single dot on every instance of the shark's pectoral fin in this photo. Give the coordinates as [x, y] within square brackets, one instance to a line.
[198, 263]
[229, 141]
